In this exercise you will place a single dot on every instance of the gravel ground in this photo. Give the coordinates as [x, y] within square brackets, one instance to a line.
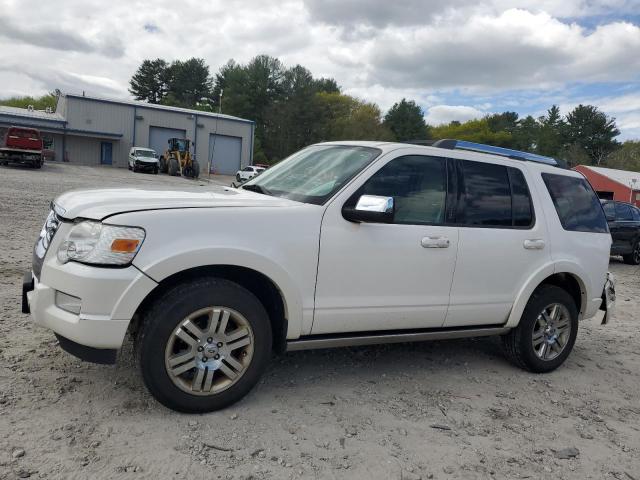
[451, 409]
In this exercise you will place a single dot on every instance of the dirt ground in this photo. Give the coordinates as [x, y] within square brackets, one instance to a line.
[449, 409]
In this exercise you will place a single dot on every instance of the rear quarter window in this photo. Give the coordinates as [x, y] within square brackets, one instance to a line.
[578, 206]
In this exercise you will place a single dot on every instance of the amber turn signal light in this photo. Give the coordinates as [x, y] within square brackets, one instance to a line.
[124, 245]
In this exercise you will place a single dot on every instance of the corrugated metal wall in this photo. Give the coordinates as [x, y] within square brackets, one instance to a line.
[103, 117]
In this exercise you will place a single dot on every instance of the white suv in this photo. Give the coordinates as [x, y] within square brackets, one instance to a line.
[248, 172]
[143, 159]
[345, 243]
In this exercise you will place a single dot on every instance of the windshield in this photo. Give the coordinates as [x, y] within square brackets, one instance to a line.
[145, 153]
[314, 174]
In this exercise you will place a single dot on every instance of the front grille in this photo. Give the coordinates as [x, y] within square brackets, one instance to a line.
[47, 233]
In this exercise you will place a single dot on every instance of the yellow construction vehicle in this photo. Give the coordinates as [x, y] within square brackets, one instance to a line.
[177, 159]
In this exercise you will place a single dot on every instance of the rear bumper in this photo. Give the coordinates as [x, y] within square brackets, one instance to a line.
[608, 304]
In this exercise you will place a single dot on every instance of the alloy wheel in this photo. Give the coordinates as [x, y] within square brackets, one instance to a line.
[551, 331]
[209, 350]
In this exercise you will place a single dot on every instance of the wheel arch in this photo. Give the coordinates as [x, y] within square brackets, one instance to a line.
[262, 286]
[566, 278]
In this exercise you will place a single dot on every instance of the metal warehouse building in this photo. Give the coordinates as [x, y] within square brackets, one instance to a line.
[92, 131]
[612, 184]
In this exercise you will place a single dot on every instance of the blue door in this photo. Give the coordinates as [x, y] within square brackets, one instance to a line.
[106, 150]
[224, 153]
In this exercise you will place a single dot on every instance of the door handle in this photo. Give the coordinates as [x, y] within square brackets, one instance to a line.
[534, 244]
[435, 242]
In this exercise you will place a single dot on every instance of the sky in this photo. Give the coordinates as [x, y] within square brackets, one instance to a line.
[458, 59]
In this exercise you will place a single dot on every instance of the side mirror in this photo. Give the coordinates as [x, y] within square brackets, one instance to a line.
[371, 209]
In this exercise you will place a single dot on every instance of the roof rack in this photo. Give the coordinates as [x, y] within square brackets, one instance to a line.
[504, 152]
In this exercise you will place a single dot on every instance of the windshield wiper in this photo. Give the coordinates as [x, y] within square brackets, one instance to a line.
[257, 189]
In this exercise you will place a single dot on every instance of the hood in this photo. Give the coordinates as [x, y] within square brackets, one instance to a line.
[101, 203]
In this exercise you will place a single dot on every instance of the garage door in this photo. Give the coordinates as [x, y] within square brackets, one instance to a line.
[158, 137]
[225, 153]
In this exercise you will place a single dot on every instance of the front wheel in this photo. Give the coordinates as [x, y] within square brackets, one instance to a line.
[173, 166]
[547, 331]
[204, 345]
[633, 258]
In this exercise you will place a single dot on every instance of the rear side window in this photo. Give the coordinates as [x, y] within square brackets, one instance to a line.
[520, 199]
[493, 196]
[636, 214]
[577, 205]
[623, 213]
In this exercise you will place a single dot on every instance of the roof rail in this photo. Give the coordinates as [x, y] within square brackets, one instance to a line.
[504, 152]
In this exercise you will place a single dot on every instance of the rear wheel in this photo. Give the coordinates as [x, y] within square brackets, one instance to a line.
[163, 164]
[173, 166]
[155, 170]
[195, 169]
[633, 258]
[204, 345]
[547, 331]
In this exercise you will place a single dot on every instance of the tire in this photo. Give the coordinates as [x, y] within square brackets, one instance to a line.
[164, 322]
[195, 169]
[519, 342]
[173, 166]
[163, 165]
[155, 170]
[129, 166]
[135, 169]
[238, 177]
[633, 258]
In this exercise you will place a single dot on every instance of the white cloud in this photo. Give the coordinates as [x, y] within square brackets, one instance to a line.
[442, 114]
[378, 50]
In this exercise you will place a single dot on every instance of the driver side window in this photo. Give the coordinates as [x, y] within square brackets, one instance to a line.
[418, 185]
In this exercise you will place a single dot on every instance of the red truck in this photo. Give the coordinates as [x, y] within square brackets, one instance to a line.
[22, 145]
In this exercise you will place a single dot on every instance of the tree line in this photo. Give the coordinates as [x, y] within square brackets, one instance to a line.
[293, 109]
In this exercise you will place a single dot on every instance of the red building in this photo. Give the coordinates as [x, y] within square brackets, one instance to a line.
[613, 184]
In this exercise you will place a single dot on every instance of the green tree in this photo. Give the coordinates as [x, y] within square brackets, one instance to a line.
[188, 83]
[593, 131]
[627, 157]
[503, 122]
[551, 133]
[474, 131]
[343, 117]
[150, 82]
[49, 100]
[405, 120]
[525, 136]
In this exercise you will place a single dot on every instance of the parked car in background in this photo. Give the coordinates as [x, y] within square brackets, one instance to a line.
[143, 160]
[343, 243]
[624, 224]
[249, 172]
[22, 145]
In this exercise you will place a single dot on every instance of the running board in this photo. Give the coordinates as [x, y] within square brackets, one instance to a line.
[350, 340]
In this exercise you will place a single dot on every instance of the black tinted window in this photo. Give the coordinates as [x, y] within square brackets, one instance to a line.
[521, 199]
[636, 214]
[609, 209]
[417, 184]
[485, 195]
[623, 213]
[577, 205]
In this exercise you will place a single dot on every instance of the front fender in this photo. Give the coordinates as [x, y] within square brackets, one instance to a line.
[292, 296]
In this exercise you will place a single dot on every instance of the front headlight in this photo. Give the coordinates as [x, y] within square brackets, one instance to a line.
[98, 244]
